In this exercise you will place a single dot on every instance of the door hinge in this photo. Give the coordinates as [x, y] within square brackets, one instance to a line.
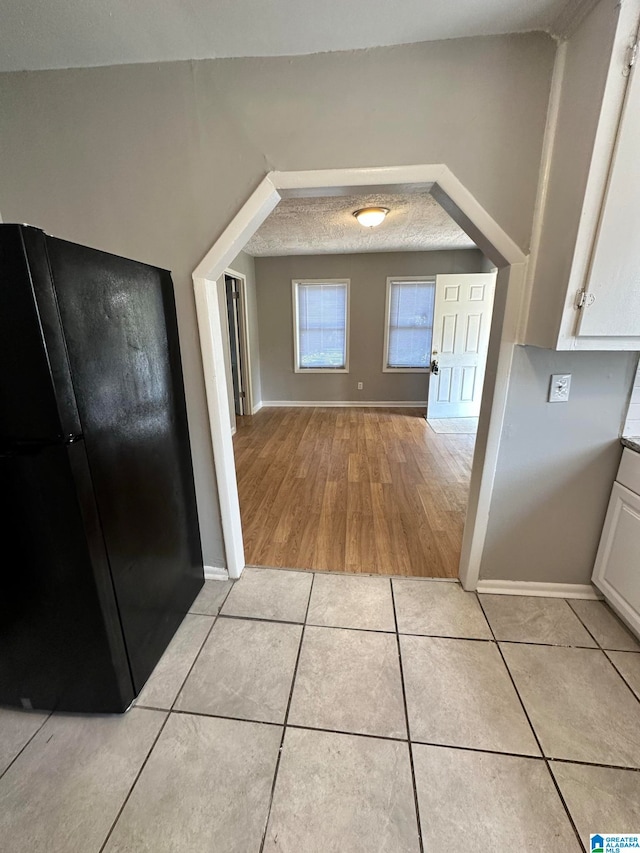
[584, 299]
[630, 58]
[235, 294]
[242, 394]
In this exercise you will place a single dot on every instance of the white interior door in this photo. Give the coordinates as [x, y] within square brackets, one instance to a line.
[461, 325]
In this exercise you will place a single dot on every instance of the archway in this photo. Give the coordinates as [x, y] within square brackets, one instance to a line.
[496, 244]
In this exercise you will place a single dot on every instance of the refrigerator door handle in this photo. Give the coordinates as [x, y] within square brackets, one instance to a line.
[30, 448]
[72, 438]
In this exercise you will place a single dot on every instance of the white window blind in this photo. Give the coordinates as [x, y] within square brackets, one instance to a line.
[411, 305]
[322, 325]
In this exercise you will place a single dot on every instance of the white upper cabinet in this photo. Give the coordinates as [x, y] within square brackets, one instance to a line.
[612, 301]
[585, 283]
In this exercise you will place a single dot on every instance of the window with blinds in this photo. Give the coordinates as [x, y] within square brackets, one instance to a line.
[410, 306]
[321, 313]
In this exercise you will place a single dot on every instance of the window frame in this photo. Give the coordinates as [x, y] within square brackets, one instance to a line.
[296, 336]
[387, 321]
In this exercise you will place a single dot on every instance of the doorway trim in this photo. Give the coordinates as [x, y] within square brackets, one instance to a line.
[490, 238]
[243, 334]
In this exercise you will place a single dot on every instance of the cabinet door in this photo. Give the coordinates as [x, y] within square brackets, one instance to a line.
[613, 306]
[617, 568]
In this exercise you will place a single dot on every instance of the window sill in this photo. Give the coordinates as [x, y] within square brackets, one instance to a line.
[320, 369]
[406, 370]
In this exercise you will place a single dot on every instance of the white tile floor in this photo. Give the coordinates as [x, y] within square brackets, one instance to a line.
[346, 713]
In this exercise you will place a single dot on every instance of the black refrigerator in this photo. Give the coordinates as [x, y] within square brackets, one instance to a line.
[100, 551]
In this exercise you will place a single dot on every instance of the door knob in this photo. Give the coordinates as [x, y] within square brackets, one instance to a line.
[435, 367]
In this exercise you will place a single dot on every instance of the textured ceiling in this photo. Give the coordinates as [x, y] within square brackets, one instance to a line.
[39, 34]
[313, 226]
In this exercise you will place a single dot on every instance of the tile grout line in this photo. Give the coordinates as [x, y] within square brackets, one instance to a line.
[535, 734]
[622, 651]
[406, 719]
[220, 606]
[195, 660]
[593, 764]
[404, 633]
[595, 639]
[555, 759]
[491, 639]
[604, 652]
[286, 718]
[258, 619]
[524, 755]
[215, 616]
[168, 714]
[582, 622]
[26, 744]
[134, 783]
[169, 710]
[617, 671]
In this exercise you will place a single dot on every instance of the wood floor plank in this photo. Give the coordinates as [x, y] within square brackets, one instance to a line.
[330, 544]
[352, 490]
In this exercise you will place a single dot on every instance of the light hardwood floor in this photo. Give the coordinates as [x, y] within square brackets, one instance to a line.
[352, 490]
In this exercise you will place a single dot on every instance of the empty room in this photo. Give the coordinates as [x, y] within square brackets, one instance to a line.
[354, 451]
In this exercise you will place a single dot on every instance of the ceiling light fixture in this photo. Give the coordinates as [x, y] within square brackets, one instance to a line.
[371, 216]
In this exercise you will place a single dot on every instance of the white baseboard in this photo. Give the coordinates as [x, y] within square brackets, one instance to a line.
[257, 407]
[378, 404]
[544, 590]
[215, 573]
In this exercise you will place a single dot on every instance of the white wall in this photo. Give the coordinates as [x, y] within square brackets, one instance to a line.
[368, 276]
[151, 161]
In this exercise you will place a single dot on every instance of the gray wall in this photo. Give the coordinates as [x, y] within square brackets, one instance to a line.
[368, 274]
[556, 467]
[152, 161]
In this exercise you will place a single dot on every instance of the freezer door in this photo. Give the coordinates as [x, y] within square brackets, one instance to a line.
[121, 334]
[36, 398]
[60, 642]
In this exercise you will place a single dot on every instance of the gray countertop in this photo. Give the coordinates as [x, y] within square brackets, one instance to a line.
[631, 441]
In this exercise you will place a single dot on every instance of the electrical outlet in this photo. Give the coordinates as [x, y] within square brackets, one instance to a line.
[360, 386]
[559, 387]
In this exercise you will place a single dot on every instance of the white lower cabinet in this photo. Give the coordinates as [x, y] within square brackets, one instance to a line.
[617, 568]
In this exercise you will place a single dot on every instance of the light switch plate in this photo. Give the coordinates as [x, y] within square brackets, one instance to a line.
[559, 387]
